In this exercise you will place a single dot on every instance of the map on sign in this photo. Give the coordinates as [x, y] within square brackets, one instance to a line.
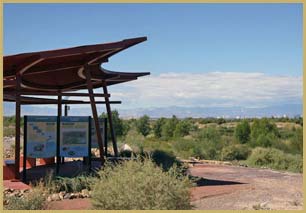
[74, 136]
[41, 136]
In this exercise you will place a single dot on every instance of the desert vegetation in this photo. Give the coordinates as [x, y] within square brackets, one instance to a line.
[275, 143]
[156, 178]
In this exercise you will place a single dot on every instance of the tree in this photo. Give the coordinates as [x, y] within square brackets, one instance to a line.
[143, 125]
[242, 132]
[157, 128]
[182, 128]
[118, 125]
[169, 127]
[263, 127]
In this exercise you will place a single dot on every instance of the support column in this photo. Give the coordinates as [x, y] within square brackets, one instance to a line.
[94, 113]
[17, 126]
[110, 120]
[59, 114]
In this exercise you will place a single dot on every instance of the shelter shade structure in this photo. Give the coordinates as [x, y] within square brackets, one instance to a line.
[63, 72]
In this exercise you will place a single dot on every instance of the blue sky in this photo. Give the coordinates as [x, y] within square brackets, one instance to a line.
[228, 54]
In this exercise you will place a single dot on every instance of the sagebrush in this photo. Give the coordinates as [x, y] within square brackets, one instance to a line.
[141, 185]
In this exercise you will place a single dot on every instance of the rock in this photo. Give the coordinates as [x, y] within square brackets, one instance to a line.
[73, 195]
[67, 196]
[85, 193]
[55, 197]
[125, 147]
[61, 195]
[25, 190]
[6, 202]
[49, 199]
[190, 165]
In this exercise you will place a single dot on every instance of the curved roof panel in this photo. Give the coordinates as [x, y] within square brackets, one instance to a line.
[64, 69]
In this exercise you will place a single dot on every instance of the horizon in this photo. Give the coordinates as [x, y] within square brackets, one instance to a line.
[199, 55]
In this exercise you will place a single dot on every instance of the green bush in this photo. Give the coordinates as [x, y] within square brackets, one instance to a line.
[296, 144]
[168, 127]
[55, 184]
[157, 127]
[164, 159]
[140, 185]
[211, 134]
[275, 159]
[235, 152]
[243, 131]
[263, 127]
[143, 125]
[34, 200]
[182, 128]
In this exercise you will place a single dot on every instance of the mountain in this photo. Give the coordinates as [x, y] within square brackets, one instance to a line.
[289, 110]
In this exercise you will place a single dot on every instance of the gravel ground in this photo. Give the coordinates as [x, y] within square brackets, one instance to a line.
[232, 187]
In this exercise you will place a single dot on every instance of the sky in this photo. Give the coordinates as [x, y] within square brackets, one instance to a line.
[217, 55]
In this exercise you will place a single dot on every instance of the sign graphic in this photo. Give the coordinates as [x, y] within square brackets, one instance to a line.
[94, 140]
[74, 136]
[41, 136]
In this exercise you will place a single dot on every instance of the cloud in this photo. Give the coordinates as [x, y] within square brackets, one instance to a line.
[213, 89]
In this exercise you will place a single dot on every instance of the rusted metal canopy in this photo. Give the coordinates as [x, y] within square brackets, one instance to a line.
[63, 70]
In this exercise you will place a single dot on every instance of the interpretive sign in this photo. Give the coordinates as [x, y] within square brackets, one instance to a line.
[94, 140]
[74, 136]
[40, 136]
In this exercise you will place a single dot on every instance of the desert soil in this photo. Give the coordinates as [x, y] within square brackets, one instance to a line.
[232, 187]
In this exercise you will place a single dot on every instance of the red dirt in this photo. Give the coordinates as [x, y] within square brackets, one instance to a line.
[15, 185]
[74, 204]
[233, 187]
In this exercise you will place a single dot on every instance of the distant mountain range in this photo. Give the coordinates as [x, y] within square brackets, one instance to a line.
[290, 110]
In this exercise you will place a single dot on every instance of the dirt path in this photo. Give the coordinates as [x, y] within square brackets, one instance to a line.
[232, 187]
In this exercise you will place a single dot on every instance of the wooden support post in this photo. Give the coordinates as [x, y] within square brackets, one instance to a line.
[110, 120]
[17, 126]
[59, 114]
[24, 174]
[94, 113]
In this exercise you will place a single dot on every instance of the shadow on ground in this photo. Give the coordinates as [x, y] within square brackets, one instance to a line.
[199, 181]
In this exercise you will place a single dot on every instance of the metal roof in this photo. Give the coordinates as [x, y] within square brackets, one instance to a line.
[62, 70]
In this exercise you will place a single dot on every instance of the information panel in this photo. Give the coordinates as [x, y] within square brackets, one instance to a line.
[74, 136]
[41, 136]
[94, 141]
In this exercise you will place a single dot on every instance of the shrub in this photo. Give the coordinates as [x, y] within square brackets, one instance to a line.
[263, 127]
[182, 128]
[275, 159]
[210, 133]
[169, 127]
[164, 159]
[235, 152]
[54, 184]
[157, 128]
[296, 144]
[242, 132]
[140, 185]
[34, 200]
[143, 125]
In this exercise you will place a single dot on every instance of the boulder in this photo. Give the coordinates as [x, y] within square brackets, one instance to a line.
[125, 147]
[55, 197]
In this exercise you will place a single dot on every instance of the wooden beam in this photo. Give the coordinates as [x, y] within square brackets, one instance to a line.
[83, 102]
[54, 93]
[95, 114]
[110, 120]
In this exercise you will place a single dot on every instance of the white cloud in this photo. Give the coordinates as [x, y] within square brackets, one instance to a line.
[209, 89]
